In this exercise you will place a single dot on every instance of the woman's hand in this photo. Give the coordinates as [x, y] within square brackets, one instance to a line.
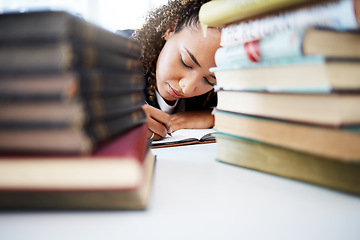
[192, 119]
[158, 122]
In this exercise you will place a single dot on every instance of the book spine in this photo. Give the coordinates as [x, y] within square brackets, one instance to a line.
[312, 59]
[103, 108]
[67, 139]
[102, 130]
[23, 59]
[282, 45]
[338, 15]
[109, 83]
[219, 12]
[86, 32]
[61, 57]
[65, 113]
[51, 26]
[70, 85]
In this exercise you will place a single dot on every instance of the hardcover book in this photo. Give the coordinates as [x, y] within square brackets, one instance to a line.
[38, 28]
[308, 74]
[328, 172]
[328, 43]
[340, 143]
[118, 175]
[338, 14]
[218, 13]
[65, 138]
[334, 109]
[59, 57]
[69, 85]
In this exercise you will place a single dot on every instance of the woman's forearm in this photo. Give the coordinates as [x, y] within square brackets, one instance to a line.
[192, 119]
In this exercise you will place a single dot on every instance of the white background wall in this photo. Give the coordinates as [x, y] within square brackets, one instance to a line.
[110, 14]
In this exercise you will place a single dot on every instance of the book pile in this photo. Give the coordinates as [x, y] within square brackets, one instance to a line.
[72, 130]
[288, 85]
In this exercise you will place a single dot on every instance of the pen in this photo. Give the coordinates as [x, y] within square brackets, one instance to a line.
[160, 122]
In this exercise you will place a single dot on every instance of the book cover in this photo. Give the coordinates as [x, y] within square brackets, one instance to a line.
[319, 170]
[334, 109]
[299, 42]
[315, 74]
[39, 27]
[69, 85]
[339, 14]
[118, 175]
[218, 13]
[76, 112]
[65, 138]
[59, 57]
[340, 143]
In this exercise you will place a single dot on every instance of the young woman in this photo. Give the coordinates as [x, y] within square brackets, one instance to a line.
[176, 61]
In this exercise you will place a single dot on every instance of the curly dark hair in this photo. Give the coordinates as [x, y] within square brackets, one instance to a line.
[175, 16]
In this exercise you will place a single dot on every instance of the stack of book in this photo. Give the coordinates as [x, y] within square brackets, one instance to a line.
[72, 130]
[288, 88]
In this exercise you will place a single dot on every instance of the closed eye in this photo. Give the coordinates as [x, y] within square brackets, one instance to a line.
[184, 64]
[208, 82]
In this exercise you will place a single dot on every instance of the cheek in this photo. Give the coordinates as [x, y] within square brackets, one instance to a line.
[203, 88]
[167, 67]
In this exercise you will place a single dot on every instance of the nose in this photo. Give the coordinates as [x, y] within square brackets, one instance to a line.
[189, 83]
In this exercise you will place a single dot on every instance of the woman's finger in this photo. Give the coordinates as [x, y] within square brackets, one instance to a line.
[156, 127]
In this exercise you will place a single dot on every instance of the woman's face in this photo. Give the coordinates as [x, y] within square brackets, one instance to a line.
[182, 69]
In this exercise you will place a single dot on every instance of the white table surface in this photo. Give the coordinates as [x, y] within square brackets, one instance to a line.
[196, 197]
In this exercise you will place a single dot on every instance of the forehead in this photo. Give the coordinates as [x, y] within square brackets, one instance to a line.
[203, 48]
[194, 36]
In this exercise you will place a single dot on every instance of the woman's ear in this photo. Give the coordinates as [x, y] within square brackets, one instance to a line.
[168, 34]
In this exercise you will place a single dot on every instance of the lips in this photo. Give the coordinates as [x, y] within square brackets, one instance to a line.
[175, 93]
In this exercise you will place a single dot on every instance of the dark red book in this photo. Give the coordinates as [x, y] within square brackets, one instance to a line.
[117, 176]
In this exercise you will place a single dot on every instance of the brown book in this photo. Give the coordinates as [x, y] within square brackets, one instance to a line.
[339, 143]
[117, 176]
[59, 57]
[79, 111]
[38, 28]
[328, 172]
[69, 85]
[65, 138]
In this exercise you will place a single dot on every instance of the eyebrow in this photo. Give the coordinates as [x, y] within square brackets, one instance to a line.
[193, 57]
[195, 61]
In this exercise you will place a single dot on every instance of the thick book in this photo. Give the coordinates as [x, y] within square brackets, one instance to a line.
[329, 43]
[218, 13]
[117, 176]
[68, 137]
[186, 137]
[334, 109]
[297, 74]
[340, 143]
[79, 111]
[39, 27]
[339, 14]
[69, 85]
[323, 171]
[60, 57]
